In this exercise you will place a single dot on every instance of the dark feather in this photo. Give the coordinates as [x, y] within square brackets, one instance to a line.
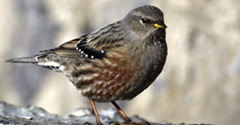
[88, 50]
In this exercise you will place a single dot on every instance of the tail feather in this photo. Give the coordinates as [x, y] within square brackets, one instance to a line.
[39, 60]
[23, 60]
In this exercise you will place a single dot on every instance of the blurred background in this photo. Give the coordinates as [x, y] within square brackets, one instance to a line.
[200, 82]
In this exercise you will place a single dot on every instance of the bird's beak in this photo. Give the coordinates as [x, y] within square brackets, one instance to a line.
[160, 25]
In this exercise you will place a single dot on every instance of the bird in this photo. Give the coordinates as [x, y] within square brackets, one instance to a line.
[115, 62]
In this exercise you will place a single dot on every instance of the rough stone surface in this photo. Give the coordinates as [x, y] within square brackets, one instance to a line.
[10, 114]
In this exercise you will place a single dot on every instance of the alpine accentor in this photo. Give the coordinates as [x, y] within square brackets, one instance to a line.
[116, 62]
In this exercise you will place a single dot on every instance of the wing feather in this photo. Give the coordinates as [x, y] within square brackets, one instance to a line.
[94, 45]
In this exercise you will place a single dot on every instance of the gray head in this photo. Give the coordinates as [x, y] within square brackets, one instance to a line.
[143, 21]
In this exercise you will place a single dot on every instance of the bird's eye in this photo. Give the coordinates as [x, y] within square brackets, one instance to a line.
[144, 20]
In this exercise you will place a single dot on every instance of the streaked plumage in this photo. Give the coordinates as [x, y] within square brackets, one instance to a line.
[116, 62]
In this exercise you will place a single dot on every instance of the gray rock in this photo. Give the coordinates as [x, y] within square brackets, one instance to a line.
[10, 114]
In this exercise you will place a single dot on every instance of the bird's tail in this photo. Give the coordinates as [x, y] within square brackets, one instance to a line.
[40, 60]
[23, 60]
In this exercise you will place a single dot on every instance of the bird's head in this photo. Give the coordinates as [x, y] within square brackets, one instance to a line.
[143, 21]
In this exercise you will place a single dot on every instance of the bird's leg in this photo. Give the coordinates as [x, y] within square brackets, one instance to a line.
[121, 112]
[95, 112]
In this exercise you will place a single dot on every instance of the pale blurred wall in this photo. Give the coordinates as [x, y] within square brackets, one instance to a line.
[200, 81]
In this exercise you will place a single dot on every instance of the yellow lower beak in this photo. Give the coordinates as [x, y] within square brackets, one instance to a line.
[159, 26]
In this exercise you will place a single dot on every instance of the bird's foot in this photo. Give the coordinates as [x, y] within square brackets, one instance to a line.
[130, 123]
